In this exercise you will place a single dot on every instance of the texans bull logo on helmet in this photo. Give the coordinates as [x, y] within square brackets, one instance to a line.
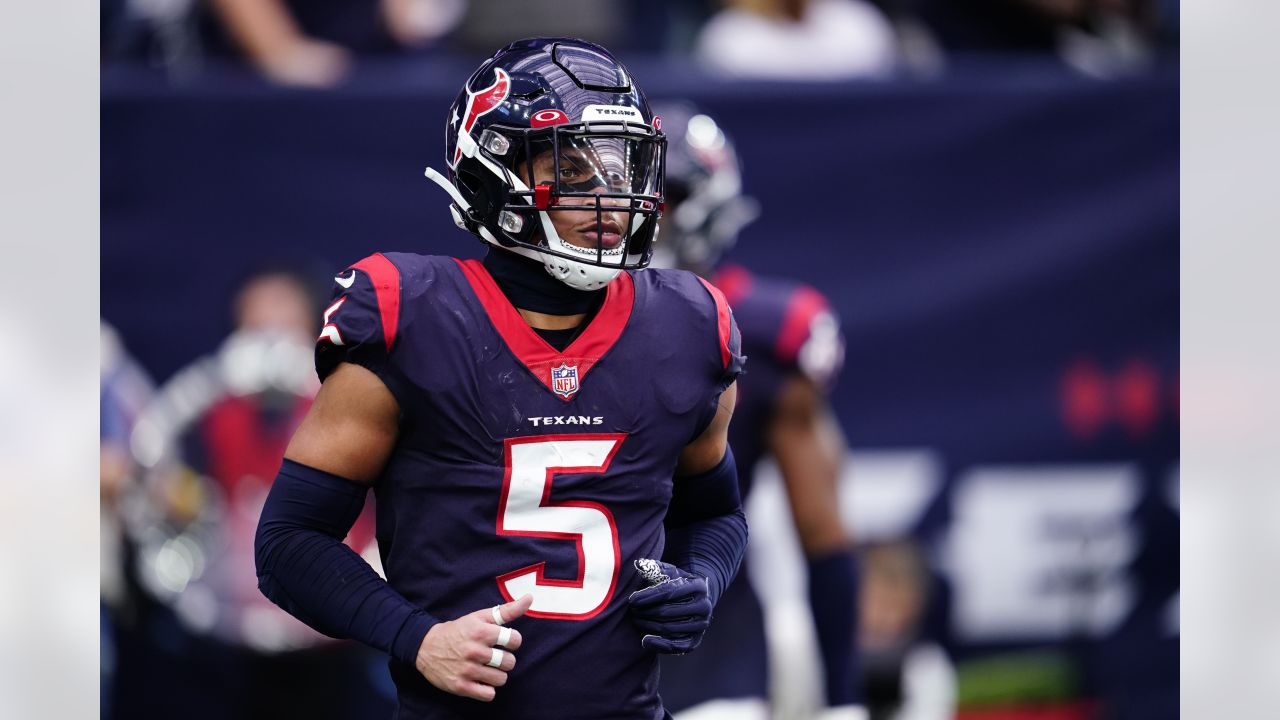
[481, 102]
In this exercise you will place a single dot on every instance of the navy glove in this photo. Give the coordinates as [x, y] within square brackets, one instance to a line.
[674, 611]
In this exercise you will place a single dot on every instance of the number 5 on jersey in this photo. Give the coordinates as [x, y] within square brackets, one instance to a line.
[525, 510]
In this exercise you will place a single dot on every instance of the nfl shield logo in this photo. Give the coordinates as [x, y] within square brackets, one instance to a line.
[564, 380]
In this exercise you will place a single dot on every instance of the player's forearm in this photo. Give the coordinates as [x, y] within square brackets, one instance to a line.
[810, 483]
[304, 567]
[809, 447]
[711, 548]
[706, 528]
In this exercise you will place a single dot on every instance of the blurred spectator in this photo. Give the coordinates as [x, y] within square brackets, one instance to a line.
[271, 38]
[668, 27]
[310, 44]
[226, 420]
[276, 302]
[494, 23]
[906, 678]
[162, 33]
[211, 441]
[798, 40]
[304, 43]
[1099, 37]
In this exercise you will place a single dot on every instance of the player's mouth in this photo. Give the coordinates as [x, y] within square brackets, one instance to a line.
[607, 234]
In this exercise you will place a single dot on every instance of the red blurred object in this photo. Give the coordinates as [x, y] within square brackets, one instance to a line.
[1137, 397]
[244, 446]
[1091, 398]
[1084, 398]
[242, 442]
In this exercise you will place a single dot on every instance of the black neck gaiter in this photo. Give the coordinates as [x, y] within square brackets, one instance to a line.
[528, 286]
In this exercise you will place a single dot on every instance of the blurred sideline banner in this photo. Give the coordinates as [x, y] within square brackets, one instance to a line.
[1002, 247]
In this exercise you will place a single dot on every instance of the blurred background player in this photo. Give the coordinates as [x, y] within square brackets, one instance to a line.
[796, 351]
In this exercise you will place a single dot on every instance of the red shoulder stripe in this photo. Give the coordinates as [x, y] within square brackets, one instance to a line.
[803, 305]
[722, 320]
[386, 284]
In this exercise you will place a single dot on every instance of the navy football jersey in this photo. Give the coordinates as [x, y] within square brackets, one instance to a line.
[787, 329]
[522, 469]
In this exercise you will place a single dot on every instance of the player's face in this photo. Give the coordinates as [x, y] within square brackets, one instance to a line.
[275, 303]
[580, 170]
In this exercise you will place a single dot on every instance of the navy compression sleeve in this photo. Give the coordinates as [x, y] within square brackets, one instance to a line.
[304, 568]
[706, 528]
[833, 598]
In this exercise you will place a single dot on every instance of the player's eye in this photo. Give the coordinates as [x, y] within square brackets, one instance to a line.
[571, 172]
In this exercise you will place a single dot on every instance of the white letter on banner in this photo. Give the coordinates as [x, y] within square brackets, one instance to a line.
[1041, 552]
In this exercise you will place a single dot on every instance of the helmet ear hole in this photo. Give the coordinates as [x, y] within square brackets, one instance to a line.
[469, 182]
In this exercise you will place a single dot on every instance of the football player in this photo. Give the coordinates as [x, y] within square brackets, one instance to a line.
[797, 350]
[545, 430]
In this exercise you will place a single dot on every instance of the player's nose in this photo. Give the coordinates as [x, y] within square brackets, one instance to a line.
[610, 201]
[610, 186]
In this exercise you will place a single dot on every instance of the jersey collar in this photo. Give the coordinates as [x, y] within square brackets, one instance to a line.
[561, 372]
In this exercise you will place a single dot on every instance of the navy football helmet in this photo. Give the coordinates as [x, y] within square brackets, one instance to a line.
[549, 125]
[705, 205]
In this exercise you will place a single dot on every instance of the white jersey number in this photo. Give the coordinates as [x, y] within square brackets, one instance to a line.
[525, 510]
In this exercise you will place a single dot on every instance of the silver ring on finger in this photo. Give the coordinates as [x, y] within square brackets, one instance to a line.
[495, 658]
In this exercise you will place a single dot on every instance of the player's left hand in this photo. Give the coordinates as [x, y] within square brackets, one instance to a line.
[674, 611]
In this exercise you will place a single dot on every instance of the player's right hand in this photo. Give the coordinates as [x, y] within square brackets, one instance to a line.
[673, 611]
[458, 656]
